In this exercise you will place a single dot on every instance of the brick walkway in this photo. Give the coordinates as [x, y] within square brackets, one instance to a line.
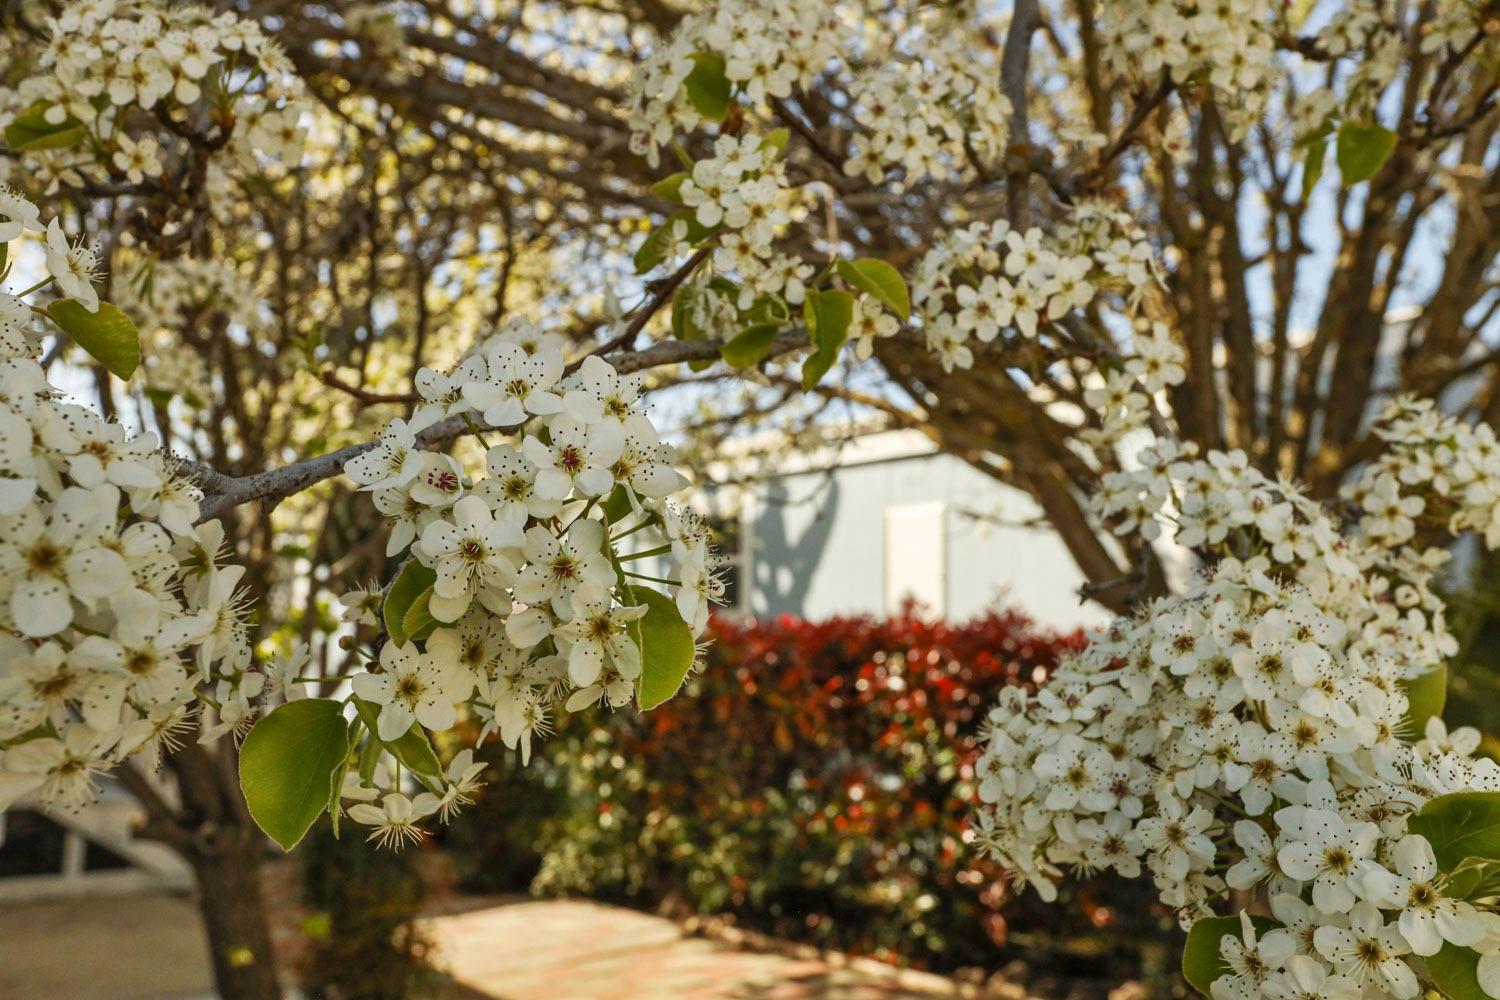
[575, 950]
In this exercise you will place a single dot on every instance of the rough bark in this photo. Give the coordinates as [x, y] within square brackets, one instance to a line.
[231, 899]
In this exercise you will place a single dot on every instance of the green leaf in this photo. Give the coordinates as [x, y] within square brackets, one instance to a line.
[776, 140]
[1201, 961]
[287, 762]
[707, 86]
[1460, 826]
[1312, 167]
[411, 583]
[616, 506]
[877, 278]
[684, 327]
[1362, 150]
[108, 334]
[1472, 878]
[671, 188]
[335, 794]
[666, 644]
[766, 309]
[830, 313]
[418, 621]
[654, 247]
[30, 131]
[1456, 972]
[411, 748]
[1427, 694]
[750, 348]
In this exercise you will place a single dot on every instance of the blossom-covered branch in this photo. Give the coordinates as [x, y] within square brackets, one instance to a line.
[222, 493]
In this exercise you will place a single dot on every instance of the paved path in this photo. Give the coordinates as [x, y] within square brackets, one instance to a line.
[149, 947]
[577, 950]
[142, 947]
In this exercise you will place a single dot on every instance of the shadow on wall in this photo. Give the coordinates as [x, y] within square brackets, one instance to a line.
[781, 567]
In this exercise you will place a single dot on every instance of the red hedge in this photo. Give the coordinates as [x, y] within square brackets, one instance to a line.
[815, 782]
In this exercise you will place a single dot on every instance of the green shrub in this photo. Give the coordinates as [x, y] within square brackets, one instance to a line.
[362, 901]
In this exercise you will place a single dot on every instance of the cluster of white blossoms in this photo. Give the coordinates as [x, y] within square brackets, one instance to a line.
[1231, 46]
[987, 277]
[762, 48]
[186, 63]
[531, 600]
[923, 103]
[165, 294]
[1270, 731]
[926, 116]
[742, 187]
[117, 617]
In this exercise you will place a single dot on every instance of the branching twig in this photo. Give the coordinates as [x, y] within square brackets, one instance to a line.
[659, 298]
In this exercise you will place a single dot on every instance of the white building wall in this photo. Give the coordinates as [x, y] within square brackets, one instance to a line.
[852, 538]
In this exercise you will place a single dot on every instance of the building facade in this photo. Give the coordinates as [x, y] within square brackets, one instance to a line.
[863, 526]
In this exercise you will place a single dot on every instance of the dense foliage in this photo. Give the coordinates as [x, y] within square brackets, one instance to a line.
[364, 942]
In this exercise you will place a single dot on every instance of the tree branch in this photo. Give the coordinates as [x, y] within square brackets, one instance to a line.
[223, 493]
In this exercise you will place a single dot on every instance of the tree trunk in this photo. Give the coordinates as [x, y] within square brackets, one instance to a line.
[227, 867]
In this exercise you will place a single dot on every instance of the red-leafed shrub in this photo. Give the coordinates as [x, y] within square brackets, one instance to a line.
[814, 782]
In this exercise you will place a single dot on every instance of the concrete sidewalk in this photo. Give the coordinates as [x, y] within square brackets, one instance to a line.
[141, 947]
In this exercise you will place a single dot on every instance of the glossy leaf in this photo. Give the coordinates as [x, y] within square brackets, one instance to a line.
[671, 188]
[881, 280]
[1460, 826]
[418, 621]
[287, 762]
[653, 250]
[1201, 961]
[30, 131]
[108, 335]
[1362, 150]
[751, 347]
[1312, 167]
[776, 140]
[830, 314]
[1456, 972]
[707, 86]
[666, 644]
[1427, 694]
[411, 748]
[412, 582]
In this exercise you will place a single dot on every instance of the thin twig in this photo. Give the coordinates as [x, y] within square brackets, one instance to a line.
[365, 396]
[664, 291]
